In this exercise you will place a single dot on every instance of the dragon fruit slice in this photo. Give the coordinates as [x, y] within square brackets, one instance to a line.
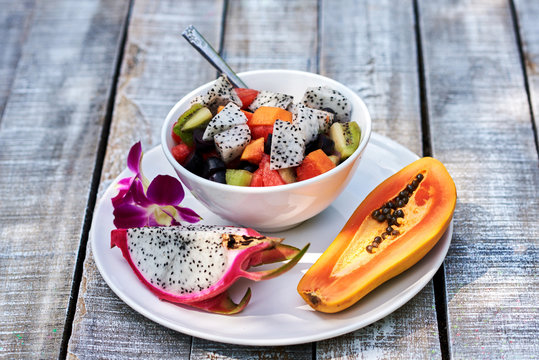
[230, 116]
[328, 99]
[196, 265]
[268, 98]
[221, 93]
[311, 121]
[231, 143]
[287, 145]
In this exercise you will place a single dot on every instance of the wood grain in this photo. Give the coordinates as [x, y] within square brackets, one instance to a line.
[159, 68]
[15, 19]
[284, 37]
[481, 129]
[527, 13]
[372, 49]
[49, 136]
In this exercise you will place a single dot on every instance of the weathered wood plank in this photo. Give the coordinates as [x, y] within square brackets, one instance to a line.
[481, 129]
[14, 23]
[49, 133]
[285, 36]
[372, 49]
[527, 12]
[158, 68]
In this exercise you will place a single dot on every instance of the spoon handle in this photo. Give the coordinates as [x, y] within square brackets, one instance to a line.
[196, 39]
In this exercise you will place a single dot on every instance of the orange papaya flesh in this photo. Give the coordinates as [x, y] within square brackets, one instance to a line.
[266, 115]
[253, 151]
[314, 164]
[352, 266]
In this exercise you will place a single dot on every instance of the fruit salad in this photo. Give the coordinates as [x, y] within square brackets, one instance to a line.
[247, 137]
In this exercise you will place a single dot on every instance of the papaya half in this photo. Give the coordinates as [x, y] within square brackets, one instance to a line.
[397, 224]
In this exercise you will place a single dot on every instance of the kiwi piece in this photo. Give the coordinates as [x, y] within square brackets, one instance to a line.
[288, 175]
[238, 177]
[186, 136]
[346, 137]
[334, 159]
[199, 118]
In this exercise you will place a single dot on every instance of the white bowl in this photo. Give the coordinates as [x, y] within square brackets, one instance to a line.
[280, 207]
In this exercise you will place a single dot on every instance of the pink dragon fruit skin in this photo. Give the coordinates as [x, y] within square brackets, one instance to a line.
[268, 98]
[156, 251]
[231, 143]
[230, 116]
[287, 145]
[328, 99]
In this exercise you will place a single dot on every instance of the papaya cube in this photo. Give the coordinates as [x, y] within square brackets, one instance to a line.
[314, 164]
[253, 151]
[266, 115]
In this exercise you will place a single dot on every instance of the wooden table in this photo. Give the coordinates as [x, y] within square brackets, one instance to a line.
[81, 81]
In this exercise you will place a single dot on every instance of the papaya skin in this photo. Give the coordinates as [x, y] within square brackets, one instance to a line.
[346, 271]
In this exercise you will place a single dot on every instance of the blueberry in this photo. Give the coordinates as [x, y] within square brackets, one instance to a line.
[219, 177]
[212, 165]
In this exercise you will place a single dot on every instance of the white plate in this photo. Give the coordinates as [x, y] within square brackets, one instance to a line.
[276, 314]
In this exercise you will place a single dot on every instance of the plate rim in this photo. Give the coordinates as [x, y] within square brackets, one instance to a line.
[380, 140]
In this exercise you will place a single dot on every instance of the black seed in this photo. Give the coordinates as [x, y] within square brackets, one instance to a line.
[381, 218]
[399, 213]
[395, 232]
[400, 203]
[377, 240]
[410, 188]
[405, 200]
[385, 211]
[390, 205]
[375, 244]
[369, 249]
[375, 213]
[389, 229]
[415, 183]
[419, 177]
[403, 194]
[384, 235]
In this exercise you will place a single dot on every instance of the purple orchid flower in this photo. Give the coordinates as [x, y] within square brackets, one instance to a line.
[143, 203]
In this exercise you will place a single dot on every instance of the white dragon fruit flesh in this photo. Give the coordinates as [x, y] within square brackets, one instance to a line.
[328, 99]
[311, 121]
[268, 98]
[231, 143]
[230, 116]
[221, 93]
[195, 265]
[287, 145]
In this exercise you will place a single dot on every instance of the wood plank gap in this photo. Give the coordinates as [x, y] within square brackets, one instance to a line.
[92, 199]
[440, 298]
[222, 34]
[518, 38]
[313, 353]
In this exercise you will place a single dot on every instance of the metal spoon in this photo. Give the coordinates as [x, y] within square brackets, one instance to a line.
[194, 38]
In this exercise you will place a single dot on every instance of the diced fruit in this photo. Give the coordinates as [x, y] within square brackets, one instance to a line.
[266, 115]
[177, 139]
[201, 144]
[199, 119]
[330, 100]
[346, 137]
[264, 176]
[230, 143]
[246, 96]
[181, 152]
[287, 145]
[335, 159]
[219, 177]
[238, 177]
[288, 175]
[311, 121]
[248, 166]
[247, 114]
[186, 136]
[221, 93]
[326, 144]
[268, 98]
[253, 152]
[227, 118]
[314, 164]
[212, 165]
[194, 163]
[261, 131]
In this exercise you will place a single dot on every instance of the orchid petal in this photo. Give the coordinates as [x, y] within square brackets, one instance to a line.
[128, 216]
[134, 158]
[123, 186]
[138, 194]
[165, 190]
[187, 214]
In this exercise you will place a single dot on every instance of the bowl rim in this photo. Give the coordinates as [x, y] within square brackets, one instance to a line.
[366, 133]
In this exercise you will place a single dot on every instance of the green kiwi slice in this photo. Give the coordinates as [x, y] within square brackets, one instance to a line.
[238, 177]
[346, 137]
[187, 136]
